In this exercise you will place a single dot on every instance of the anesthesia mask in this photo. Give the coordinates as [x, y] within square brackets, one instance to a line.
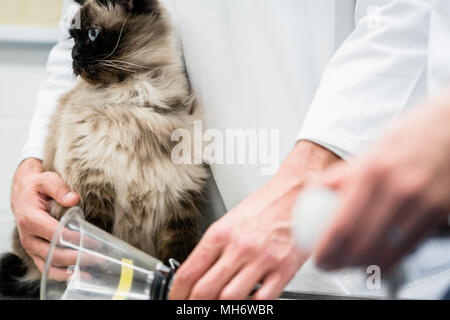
[103, 267]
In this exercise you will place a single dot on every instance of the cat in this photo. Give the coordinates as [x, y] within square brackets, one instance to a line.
[110, 137]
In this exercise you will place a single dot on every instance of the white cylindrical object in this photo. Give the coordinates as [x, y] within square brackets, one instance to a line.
[312, 214]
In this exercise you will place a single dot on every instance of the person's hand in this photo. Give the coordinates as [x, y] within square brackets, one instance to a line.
[31, 190]
[394, 195]
[253, 244]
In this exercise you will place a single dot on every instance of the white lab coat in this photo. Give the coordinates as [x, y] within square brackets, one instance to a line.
[258, 64]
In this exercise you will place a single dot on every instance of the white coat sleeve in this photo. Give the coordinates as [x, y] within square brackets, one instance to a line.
[439, 48]
[377, 73]
[60, 79]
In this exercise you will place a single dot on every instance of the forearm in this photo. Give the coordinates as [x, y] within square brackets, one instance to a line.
[307, 156]
[305, 161]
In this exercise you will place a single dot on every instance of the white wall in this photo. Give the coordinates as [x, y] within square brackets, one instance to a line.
[22, 70]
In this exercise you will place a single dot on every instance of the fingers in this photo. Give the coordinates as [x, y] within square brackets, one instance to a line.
[379, 202]
[37, 230]
[331, 250]
[54, 273]
[39, 223]
[212, 283]
[61, 260]
[273, 286]
[201, 259]
[417, 222]
[366, 246]
[36, 227]
[244, 282]
[51, 184]
[392, 218]
[60, 257]
[279, 276]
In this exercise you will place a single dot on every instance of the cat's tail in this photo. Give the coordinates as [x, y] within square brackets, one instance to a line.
[12, 269]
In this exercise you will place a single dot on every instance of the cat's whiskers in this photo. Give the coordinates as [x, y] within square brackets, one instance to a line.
[107, 65]
[122, 65]
[120, 38]
[130, 64]
[118, 68]
[111, 63]
[142, 52]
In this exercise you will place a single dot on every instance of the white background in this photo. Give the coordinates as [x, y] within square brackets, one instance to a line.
[22, 71]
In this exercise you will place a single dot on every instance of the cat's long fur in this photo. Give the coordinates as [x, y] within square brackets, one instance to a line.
[110, 140]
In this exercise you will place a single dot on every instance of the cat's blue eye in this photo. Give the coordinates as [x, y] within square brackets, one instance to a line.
[93, 34]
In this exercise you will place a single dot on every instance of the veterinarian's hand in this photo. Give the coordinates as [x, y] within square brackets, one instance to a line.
[31, 190]
[253, 244]
[394, 195]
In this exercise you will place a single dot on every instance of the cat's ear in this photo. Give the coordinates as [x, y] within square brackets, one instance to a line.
[140, 6]
[81, 2]
[134, 6]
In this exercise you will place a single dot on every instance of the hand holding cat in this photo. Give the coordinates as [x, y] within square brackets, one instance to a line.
[31, 190]
[394, 195]
[253, 244]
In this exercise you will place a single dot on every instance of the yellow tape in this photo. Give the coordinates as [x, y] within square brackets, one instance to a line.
[126, 280]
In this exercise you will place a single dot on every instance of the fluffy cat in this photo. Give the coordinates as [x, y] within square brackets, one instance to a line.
[110, 137]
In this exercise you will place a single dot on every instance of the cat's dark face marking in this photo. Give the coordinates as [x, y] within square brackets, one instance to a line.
[109, 36]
